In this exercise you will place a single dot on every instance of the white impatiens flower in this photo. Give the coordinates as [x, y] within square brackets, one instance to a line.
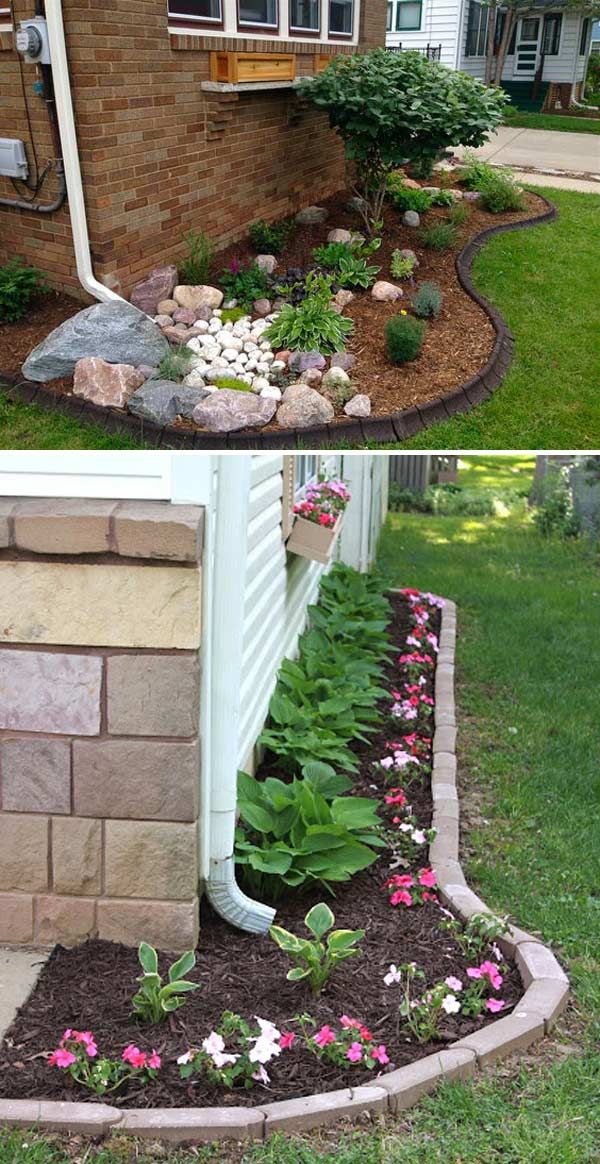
[185, 1058]
[451, 1004]
[214, 1044]
[393, 976]
[419, 837]
[260, 1075]
[266, 1045]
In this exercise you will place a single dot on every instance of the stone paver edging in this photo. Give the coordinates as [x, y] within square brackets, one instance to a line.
[397, 426]
[546, 994]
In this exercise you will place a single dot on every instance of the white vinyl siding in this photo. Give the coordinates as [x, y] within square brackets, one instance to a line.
[439, 25]
[564, 68]
[143, 475]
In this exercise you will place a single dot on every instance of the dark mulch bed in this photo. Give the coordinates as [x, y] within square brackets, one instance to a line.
[457, 344]
[91, 987]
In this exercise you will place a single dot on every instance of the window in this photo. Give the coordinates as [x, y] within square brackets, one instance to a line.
[390, 17]
[298, 472]
[197, 10]
[585, 36]
[341, 17]
[259, 12]
[477, 23]
[408, 15]
[551, 34]
[305, 15]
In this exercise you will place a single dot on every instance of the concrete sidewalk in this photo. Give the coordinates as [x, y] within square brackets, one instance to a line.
[543, 149]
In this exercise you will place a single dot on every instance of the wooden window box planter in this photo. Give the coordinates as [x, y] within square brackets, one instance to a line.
[321, 61]
[310, 540]
[235, 68]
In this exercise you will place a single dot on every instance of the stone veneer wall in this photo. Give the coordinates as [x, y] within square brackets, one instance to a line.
[99, 710]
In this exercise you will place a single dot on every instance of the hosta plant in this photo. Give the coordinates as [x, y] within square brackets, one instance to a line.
[313, 325]
[77, 1053]
[155, 1000]
[316, 960]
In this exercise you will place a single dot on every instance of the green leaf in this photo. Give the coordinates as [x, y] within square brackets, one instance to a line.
[178, 987]
[183, 966]
[354, 812]
[258, 818]
[286, 940]
[271, 861]
[341, 940]
[148, 958]
[319, 919]
[297, 974]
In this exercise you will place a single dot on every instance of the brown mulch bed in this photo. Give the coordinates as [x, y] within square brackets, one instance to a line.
[457, 344]
[90, 987]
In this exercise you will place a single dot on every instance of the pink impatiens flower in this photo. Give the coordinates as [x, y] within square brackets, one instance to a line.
[324, 1036]
[401, 897]
[453, 983]
[287, 1040]
[380, 1055]
[133, 1055]
[61, 1058]
[493, 974]
[354, 1053]
[154, 1060]
[494, 1005]
[427, 877]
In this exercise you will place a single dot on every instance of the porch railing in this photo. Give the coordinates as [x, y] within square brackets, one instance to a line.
[433, 52]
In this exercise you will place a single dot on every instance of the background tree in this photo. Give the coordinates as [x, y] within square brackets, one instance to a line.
[393, 108]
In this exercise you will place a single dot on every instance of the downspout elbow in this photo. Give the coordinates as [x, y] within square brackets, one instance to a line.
[231, 903]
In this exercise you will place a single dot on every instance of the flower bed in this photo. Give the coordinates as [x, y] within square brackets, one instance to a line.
[359, 1029]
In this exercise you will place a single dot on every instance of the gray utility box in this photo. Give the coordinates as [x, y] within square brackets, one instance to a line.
[13, 159]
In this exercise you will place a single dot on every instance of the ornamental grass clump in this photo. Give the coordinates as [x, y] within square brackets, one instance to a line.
[404, 338]
[154, 1001]
[316, 960]
[440, 236]
[195, 268]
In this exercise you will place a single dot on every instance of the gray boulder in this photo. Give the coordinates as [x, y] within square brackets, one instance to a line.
[302, 361]
[343, 360]
[228, 411]
[304, 409]
[411, 218]
[311, 216]
[187, 399]
[359, 406]
[156, 400]
[115, 331]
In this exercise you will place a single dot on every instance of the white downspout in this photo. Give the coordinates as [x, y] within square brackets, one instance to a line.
[68, 137]
[223, 610]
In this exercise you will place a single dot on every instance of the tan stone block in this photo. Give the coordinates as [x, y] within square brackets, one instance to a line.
[23, 852]
[547, 996]
[449, 874]
[444, 740]
[57, 525]
[443, 794]
[77, 855]
[130, 779]
[445, 809]
[444, 768]
[7, 505]
[463, 901]
[194, 1125]
[406, 1085]
[50, 692]
[444, 847]
[16, 918]
[497, 1040]
[168, 925]
[311, 1111]
[444, 714]
[150, 859]
[153, 695]
[157, 529]
[510, 941]
[36, 775]
[93, 1119]
[537, 961]
[67, 920]
[19, 1113]
[80, 604]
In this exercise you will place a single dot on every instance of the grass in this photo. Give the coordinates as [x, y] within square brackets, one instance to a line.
[25, 426]
[543, 282]
[528, 674]
[564, 124]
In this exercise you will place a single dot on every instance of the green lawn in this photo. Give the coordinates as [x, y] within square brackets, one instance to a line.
[544, 281]
[528, 675]
[564, 124]
[23, 426]
[496, 472]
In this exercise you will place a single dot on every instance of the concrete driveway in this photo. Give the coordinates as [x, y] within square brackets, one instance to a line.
[545, 150]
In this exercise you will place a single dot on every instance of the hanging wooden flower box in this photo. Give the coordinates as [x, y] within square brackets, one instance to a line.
[310, 540]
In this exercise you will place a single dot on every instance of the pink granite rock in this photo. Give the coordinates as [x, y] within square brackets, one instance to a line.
[103, 383]
[158, 285]
[184, 315]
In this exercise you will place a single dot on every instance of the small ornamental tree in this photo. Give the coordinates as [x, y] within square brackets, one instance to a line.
[391, 108]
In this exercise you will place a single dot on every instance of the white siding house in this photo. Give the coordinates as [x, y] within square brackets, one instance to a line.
[548, 54]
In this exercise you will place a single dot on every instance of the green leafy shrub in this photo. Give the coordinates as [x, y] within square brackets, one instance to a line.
[406, 197]
[554, 515]
[244, 283]
[439, 236]
[348, 261]
[442, 198]
[474, 171]
[176, 364]
[404, 338]
[427, 301]
[154, 1001]
[270, 238]
[19, 284]
[389, 107]
[233, 383]
[500, 194]
[445, 501]
[402, 266]
[316, 960]
[293, 836]
[312, 325]
[195, 268]
[232, 314]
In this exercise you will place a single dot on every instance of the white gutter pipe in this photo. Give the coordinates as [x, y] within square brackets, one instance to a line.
[68, 138]
[223, 609]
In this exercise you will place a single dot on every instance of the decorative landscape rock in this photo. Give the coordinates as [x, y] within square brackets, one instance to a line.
[356, 203]
[340, 236]
[103, 383]
[158, 285]
[343, 298]
[195, 297]
[343, 360]
[156, 400]
[228, 411]
[166, 307]
[187, 399]
[312, 216]
[266, 263]
[304, 408]
[262, 307]
[312, 377]
[336, 377]
[386, 292]
[411, 218]
[115, 331]
[302, 361]
[359, 405]
[184, 315]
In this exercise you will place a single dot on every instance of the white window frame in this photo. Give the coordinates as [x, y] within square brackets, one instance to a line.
[232, 27]
[302, 29]
[215, 21]
[298, 471]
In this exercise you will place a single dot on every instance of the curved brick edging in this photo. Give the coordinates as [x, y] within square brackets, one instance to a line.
[397, 426]
[546, 994]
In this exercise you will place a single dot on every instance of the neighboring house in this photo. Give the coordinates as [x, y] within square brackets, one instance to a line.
[146, 603]
[547, 58]
[185, 118]
[422, 469]
[595, 43]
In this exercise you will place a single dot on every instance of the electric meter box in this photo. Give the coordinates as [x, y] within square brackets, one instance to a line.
[13, 159]
[32, 41]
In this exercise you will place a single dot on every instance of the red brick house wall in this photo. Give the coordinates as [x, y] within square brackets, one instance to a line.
[160, 156]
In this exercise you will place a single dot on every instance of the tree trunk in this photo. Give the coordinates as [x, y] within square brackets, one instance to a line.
[491, 34]
[509, 24]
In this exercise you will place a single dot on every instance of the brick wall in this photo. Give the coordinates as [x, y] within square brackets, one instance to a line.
[159, 156]
[99, 752]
